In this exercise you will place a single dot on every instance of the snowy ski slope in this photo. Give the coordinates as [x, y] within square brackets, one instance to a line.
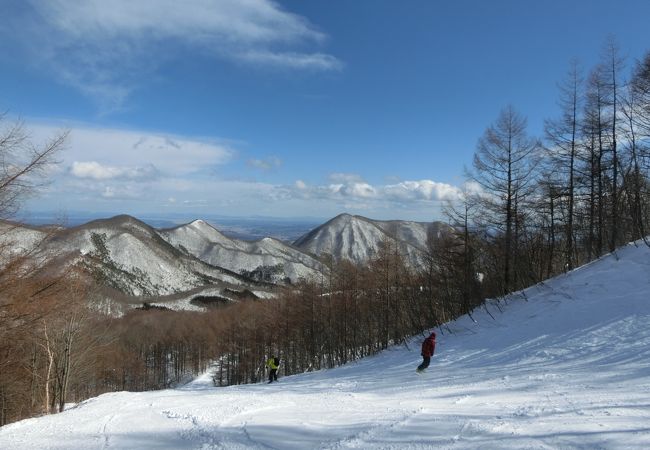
[565, 366]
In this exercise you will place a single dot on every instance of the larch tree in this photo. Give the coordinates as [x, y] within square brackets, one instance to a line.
[504, 165]
[562, 142]
[637, 113]
[641, 87]
[612, 66]
[633, 176]
[595, 126]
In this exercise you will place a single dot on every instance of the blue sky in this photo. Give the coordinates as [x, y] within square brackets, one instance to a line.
[286, 108]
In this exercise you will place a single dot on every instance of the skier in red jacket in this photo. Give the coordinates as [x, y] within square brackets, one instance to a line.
[428, 348]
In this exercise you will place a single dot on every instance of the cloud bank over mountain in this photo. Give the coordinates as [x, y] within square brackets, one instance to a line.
[133, 171]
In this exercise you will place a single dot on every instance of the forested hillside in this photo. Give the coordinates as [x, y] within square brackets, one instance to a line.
[563, 364]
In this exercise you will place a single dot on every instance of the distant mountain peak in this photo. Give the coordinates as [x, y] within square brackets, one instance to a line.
[358, 239]
[119, 220]
[198, 227]
[201, 225]
[346, 217]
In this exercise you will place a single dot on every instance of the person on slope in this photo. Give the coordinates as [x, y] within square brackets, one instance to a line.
[273, 363]
[428, 348]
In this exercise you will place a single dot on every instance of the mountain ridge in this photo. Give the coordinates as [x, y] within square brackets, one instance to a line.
[138, 262]
[133, 262]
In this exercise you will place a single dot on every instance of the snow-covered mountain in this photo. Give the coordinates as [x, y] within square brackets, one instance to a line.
[566, 364]
[137, 263]
[358, 238]
[200, 239]
[132, 261]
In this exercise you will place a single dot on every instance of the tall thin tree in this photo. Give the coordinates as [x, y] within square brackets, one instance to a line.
[503, 166]
[562, 148]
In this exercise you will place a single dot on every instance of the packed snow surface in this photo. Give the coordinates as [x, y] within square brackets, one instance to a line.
[566, 364]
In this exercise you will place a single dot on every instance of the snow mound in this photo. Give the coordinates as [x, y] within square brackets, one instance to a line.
[563, 364]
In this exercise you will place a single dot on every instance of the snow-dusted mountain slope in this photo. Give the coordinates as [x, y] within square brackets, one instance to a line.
[140, 261]
[18, 239]
[358, 238]
[413, 233]
[565, 365]
[128, 255]
[208, 244]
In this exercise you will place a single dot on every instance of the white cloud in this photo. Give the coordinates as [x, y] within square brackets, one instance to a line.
[104, 153]
[234, 21]
[106, 48]
[94, 170]
[360, 190]
[348, 185]
[313, 61]
[422, 190]
[353, 187]
[472, 187]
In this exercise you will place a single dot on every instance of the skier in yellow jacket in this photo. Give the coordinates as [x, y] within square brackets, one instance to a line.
[273, 363]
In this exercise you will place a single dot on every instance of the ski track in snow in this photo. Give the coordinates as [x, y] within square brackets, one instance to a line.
[565, 366]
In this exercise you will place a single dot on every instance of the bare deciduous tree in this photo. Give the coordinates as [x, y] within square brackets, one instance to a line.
[562, 148]
[22, 163]
[504, 164]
